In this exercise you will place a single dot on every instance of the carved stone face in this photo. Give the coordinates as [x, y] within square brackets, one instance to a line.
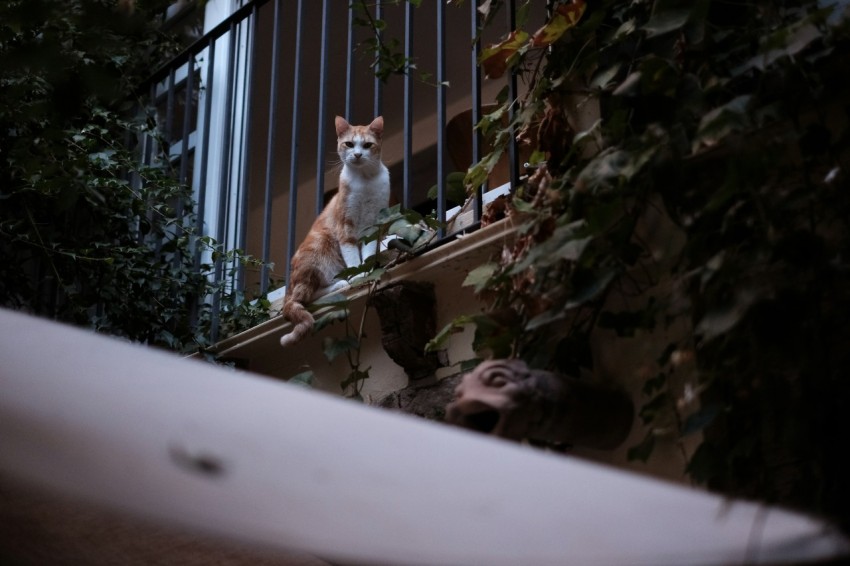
[497, 397]
[506, 398]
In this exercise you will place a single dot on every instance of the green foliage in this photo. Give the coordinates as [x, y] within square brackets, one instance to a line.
[385, 52]
[405, 232]
[89, 235]
[304, 379]
[731, 119]
[455, 189]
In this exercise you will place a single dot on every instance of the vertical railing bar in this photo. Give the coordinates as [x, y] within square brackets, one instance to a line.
[234, 152]
[148, 152]
[202, 177]
[379, 86]
[187, 127]
[441, 117]
[231, 205]
[477, 203]
[205, 152]
[184, 149]
[323, 100]
[408, 105]
[349, 63]
[293, 158]
[130, 174]
[165, 137]
[169, 112]
[151, 149]
[277, 34]
[232, 187]
[248, 89]
[513, 156]
[127, 174]
[211, 35]
[224, 179]
[241, 216]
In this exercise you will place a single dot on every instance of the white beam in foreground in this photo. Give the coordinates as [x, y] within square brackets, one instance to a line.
[190, 444]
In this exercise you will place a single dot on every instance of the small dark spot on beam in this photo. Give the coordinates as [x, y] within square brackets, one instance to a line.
[199, 462]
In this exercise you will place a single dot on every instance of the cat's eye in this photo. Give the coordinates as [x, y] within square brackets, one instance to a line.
[367, 145]
[349, 144]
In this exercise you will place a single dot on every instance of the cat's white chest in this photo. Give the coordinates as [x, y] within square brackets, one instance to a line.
[366, 196]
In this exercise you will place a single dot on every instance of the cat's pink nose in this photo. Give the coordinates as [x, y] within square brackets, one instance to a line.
[358, 155]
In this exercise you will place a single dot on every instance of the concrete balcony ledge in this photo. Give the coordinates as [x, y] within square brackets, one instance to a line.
[618, 362]
[258, 349]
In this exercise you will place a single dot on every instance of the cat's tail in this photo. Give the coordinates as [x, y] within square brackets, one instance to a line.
[295, 312]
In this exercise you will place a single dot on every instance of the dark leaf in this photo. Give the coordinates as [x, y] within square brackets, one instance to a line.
[563, 18]
[701, 419]
[370, 277]
[495, 58]
[643, 450]
[480, 276]
[591, 288]
[455, 326]
[665, 20]
[650, 409]
[654, 384]
[333, 299]
[333, 347]
[330, 317]
[303, 379]
[723, 318]
[705, 463]
[722, 121]
[354, 378]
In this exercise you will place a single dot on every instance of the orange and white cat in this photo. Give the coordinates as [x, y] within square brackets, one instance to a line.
[333, 241]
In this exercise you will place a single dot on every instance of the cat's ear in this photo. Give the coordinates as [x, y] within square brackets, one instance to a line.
[377, 126]
[341, 125]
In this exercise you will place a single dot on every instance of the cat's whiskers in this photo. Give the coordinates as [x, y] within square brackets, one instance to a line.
[334, 163]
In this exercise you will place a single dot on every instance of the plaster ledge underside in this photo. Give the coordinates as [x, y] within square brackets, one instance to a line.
[464, 253]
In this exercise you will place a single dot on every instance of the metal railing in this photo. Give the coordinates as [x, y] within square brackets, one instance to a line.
[253, 85]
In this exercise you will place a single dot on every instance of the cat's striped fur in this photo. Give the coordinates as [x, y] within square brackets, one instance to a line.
[333, 241]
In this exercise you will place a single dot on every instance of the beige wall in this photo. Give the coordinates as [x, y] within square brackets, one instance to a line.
[620, 362]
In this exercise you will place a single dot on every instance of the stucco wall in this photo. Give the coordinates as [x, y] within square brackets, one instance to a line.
[622, 363]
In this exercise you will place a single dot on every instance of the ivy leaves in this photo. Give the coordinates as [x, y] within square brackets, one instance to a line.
[564, 16]
[719, 116]
[385, 52]
[496, 59]
[398, 234]
[91, 236]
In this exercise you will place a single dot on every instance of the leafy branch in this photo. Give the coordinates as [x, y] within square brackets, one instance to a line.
[399, 235]
[724, 121]
[90, 236]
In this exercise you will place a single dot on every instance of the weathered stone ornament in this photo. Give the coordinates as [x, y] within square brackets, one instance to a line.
[506, 398]
[408, 314]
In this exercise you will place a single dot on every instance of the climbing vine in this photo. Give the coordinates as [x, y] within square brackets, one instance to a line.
[728, 123]
[400, 234]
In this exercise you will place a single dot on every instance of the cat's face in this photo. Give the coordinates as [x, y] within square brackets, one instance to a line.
[359, 146]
